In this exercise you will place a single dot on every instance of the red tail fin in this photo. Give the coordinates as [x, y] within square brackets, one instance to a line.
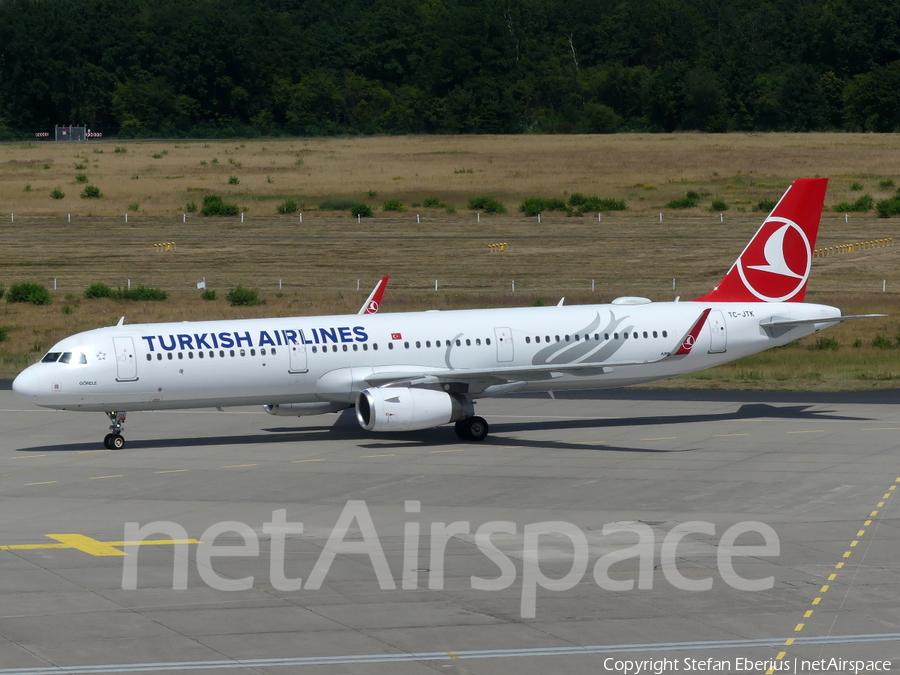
[775, 265]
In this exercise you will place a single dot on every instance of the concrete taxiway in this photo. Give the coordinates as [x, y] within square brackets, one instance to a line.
[821, 471]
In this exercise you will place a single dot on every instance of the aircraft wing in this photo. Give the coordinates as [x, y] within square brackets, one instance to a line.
[510, 374]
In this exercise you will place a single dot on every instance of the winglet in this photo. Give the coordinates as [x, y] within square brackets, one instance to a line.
[373, 302]
[688, 341]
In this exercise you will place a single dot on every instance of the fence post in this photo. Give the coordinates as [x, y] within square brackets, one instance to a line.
[514, 286]
[301, 217]
[478, 216]
[592, 285]
[660, 217]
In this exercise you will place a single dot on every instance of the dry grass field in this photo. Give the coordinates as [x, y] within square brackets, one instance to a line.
[319, 260]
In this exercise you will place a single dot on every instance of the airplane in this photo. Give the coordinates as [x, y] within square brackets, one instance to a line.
[418, 370]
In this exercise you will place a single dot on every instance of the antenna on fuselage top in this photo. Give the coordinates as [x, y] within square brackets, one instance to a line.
[121, 322]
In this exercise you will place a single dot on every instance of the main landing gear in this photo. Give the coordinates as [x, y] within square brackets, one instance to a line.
[115, 440]
[472, 429]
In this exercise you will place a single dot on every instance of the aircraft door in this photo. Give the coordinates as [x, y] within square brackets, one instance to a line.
[298, 362]
[718, 335]
[504, 344]
[126, 363]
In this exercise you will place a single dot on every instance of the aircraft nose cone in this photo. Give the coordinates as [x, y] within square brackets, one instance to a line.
[26, 384]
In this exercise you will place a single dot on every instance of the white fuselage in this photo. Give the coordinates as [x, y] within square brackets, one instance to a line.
[327, 358]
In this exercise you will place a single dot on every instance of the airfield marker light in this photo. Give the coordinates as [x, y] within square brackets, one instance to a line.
[12, 218]
[126, 217]
[279, 284]
[599, 217]
[301, 217]
[514, 286]
[417, 218]
[54, 283]
[660, 217]
[721, 218]
[358, 217]
[592, 285]
[183, 217]
[242, 217]
[539, 219]
[478, 215]
[70, 217]
[128, 284]
[673, 284]
[435, 285]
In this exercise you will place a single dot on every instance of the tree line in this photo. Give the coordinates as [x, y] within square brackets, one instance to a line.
[320, 67]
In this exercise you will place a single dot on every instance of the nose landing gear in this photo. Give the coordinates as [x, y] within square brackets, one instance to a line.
[115, 440]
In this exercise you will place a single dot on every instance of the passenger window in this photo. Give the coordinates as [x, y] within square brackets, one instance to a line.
[488, 341]
[428, 343]
[345, 347]
[468, 342]
[66, 357]
[665, 334]
[252, 352]
[190, 355]
[262, 352]
[615, 336]
[459, 343]
[557, 337]
[546, 338]
[645, 333]
[334, 348]
[406, 345]
[375, 346]
[159, 357]
[418, 345]
[169, 355]
[82, 359]
[200, 355]
[243, 353]
[273, 351]
[606, 336]
[635, 336]
[212, 354]
[567, 338]
[181, 355]
[365, 347]
[314, 350]
[50, 357]
[222, 353]
[654, 334]
[477, 342]
[527, 340]
[149, 357]
[577, 337]
[390, 345]
[624, 336]
[537, 339]
[232, 352]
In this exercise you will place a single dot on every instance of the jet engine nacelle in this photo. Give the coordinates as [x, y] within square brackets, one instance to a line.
[405, 409]
[304, 409]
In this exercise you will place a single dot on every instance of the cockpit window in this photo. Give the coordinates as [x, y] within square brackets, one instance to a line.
[66, 357]
[82, 359]
[51, 357]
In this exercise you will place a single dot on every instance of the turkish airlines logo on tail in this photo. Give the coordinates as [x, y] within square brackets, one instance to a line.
[775, 265]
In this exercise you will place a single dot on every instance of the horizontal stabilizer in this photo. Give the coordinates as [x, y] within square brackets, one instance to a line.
[775, 321]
